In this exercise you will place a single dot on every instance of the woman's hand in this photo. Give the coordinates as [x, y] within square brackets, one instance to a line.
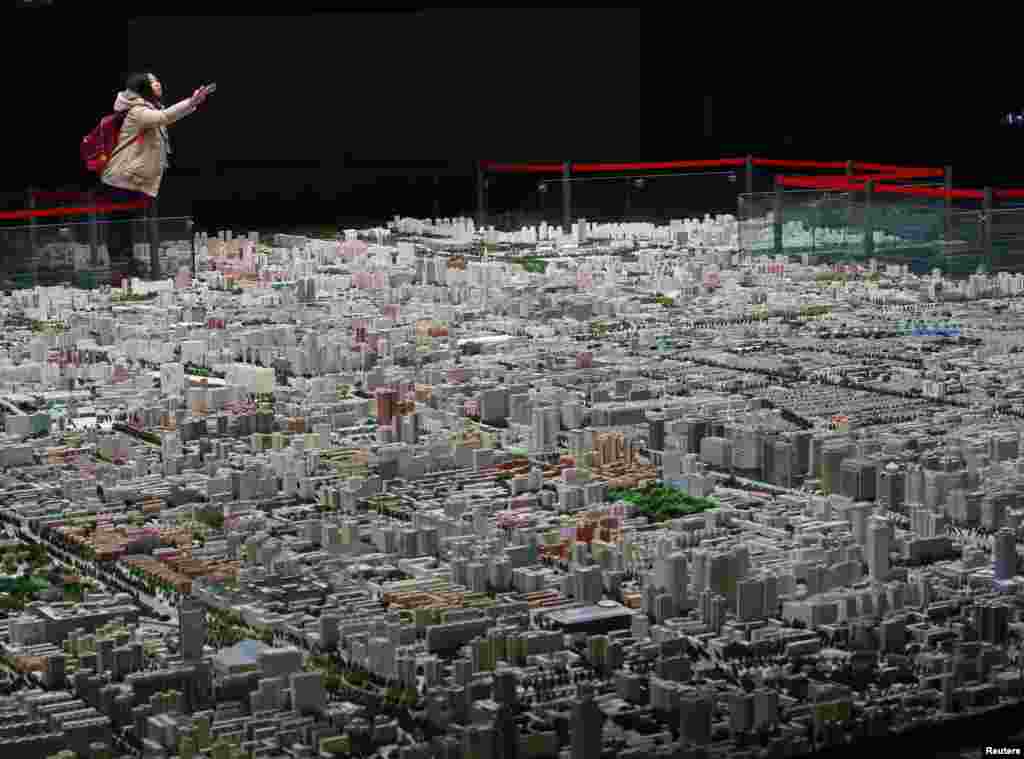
[199, 96]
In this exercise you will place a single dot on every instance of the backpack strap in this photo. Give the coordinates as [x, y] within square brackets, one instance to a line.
[122, 147]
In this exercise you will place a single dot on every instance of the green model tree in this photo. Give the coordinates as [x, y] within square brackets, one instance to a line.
[532, 264]
[659, 503]
[815, 310]
[212, 519]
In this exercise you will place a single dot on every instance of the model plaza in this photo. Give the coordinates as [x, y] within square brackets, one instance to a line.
[431, 490]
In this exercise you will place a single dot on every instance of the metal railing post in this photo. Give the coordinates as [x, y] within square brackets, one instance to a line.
[750, 174]
[94, 231]
[481, 202]
[566, 196]
[192, 236]
[33, 241]
[869, 228]
[739, 222]
[987, 226]
[153, 228]
[777, 215]
[947, 185]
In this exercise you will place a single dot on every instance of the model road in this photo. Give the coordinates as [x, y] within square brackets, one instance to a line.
[155, 604]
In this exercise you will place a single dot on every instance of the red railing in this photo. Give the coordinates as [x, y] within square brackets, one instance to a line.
[74, 211]
[784, 164]
[588, 168]
[931, 192]
[879, 174]
[522, 168]
[883, 168]
[836, 184]
[891, 176]
[844, 184]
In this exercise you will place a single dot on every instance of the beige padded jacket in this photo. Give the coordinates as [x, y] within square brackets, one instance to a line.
[140, 166]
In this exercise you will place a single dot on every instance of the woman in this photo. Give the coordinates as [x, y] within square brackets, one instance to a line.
[137, 168]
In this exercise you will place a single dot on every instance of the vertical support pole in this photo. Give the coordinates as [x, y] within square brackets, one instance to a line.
[869, 226]
[566, 197]
[815, 223]
[848, 204]
[192, 236]
[750, 175]
[740, 210]
[777, 215]
[481, 203]
[153, 229]
[987, 226]
[33, 240]
[947, 185]
[94, 232]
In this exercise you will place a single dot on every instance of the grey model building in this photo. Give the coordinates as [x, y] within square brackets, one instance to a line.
[403, 495]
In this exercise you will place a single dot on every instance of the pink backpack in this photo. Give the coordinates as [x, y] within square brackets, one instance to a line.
[100, 145]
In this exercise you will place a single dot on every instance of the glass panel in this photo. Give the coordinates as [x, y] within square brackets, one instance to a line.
[754, 217]
[830, 224]
[1007, 240]
[548, 201]
[909, 232]
[92, 254]
[960, 250]
[919, 233]
[812, 223]
[654, 198]
[517, 200]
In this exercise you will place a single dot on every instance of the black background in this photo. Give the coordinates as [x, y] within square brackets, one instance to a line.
[348, 116]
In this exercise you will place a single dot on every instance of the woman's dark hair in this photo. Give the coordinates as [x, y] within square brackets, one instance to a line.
[140, 84]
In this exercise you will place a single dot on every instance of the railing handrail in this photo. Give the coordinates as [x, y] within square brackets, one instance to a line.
[883, 173]
[654, 165]
[589, 167]
[75, 211]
